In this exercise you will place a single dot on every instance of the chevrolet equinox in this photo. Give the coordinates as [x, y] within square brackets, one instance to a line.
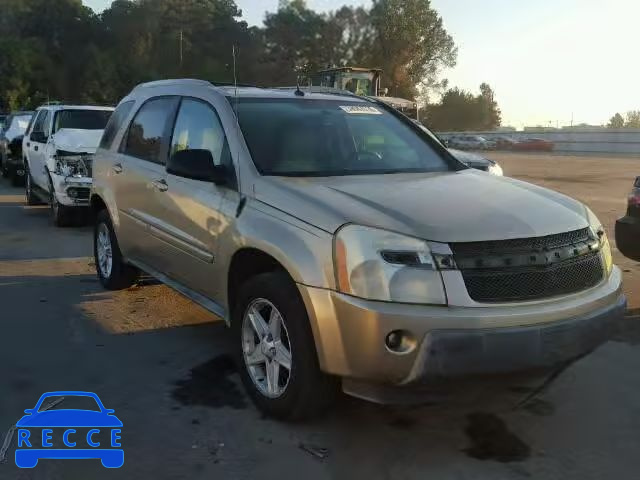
[343, 245]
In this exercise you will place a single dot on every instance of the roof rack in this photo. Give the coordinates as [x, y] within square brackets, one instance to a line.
[327, 90]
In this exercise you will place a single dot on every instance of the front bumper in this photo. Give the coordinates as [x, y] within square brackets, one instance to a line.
[628, 237]
[454, 342]
[63, 185]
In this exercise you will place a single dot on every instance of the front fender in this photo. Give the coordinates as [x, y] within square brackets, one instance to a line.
[305, 252]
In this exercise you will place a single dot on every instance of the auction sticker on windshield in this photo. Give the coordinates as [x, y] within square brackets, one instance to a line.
[360, 110]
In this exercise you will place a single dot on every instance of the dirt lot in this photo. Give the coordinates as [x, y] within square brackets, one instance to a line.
[162, 363]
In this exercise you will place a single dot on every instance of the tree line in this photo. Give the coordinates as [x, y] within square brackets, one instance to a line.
[630, 120]
[62, 50]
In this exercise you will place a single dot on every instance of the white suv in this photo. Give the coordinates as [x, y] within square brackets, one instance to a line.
[58, 150]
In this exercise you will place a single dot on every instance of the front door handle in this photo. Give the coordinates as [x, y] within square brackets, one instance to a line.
[28, 144]
[36, 148]
[117, 168]
[161, 185]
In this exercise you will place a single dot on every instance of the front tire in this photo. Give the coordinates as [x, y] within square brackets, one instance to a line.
[113, 272]
[277, 357]
[60, 214]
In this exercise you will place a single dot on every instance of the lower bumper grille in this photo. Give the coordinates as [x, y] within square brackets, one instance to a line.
[529, 269]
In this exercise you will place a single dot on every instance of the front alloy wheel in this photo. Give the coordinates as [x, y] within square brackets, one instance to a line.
[266, 348]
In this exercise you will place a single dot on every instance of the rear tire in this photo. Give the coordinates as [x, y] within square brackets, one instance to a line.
[113, 272]
[30, 197]
[308, 391]
[16, 180]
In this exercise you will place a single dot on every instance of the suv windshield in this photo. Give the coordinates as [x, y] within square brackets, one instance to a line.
[294, 137]
[81, 119]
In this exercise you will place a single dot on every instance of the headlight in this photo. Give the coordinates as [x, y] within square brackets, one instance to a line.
[600, 233]
[495, 169]
[380, 265]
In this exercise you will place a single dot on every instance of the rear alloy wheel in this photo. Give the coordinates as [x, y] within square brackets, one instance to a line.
[113, 272]
[277, 357]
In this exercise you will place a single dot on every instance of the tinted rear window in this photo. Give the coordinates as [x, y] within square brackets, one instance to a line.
[115, 122]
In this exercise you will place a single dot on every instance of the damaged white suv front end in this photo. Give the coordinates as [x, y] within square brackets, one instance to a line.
[70, 165]
[58, 151]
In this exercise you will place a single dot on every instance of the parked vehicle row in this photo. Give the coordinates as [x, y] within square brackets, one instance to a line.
[477, 142]
[345, 247]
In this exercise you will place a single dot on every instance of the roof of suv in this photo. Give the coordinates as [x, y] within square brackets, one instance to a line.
[55, 108]
[316, 93]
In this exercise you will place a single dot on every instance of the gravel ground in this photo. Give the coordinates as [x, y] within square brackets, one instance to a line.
[162, 363]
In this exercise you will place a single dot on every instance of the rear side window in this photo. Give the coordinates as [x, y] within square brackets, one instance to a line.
[115, 122]
[149, 130]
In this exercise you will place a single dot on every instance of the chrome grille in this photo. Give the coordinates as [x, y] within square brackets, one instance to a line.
[530, 268]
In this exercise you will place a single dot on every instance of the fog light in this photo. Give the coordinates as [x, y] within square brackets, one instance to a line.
[400, 341]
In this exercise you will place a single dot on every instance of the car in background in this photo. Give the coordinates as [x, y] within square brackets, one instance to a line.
[504, 142]
[533, 145]
[58, 151]
[478, 162]
[628, 227]
[11, 146]
[469, 142]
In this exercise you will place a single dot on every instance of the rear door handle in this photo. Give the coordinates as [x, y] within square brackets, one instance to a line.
[117, 168]
[36, 148]
[28, 144]
[161, 185]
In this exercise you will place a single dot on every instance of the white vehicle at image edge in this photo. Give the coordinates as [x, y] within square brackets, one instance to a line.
[58, 149]
[344, 245]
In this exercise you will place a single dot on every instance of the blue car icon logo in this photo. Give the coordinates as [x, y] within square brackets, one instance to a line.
[77, 428]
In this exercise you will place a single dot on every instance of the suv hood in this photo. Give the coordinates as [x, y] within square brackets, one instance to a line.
[76, 140]
[463, 206]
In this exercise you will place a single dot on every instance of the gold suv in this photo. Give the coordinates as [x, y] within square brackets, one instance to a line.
[343, 244]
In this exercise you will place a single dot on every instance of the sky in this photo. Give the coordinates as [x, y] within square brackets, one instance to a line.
[548, 61]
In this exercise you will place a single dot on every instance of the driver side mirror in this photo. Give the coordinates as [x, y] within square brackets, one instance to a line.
[38, 137]
[197, 164]
[29, 411]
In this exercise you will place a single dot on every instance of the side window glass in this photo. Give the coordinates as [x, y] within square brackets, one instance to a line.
[198, 128]
[37, 125]
[38, 134]
[48, 121]
[115, 122]
[148, 130]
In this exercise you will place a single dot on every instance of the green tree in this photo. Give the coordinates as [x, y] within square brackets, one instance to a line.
[617, 121]
[459, 110]
[411, 44]
[632, 119]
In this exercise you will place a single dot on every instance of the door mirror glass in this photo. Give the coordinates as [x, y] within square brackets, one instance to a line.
[197, 164]
[38, 137]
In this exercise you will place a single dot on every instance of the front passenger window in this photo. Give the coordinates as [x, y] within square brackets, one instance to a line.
[198, 128]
